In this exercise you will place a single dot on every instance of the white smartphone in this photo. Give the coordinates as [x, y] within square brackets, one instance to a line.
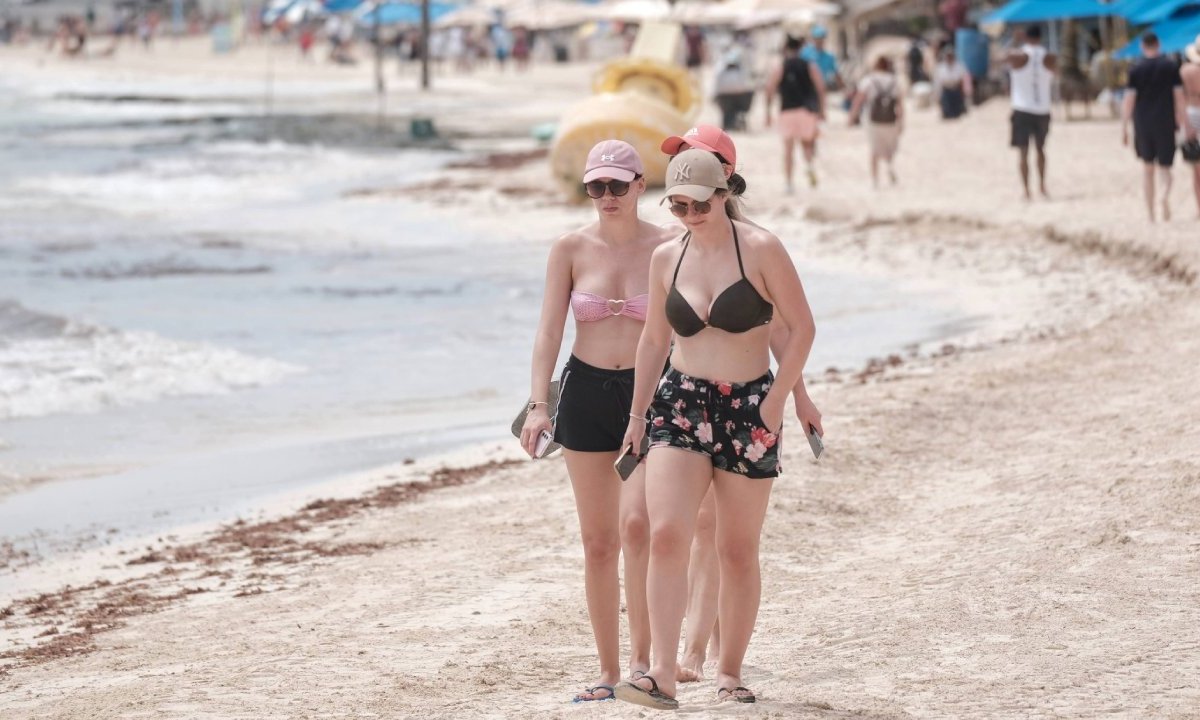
[545, 437]
[814, 441]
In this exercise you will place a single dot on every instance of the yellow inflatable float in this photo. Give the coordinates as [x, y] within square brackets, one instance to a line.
[640, 99]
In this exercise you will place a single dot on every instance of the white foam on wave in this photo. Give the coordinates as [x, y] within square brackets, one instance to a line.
[51, 365]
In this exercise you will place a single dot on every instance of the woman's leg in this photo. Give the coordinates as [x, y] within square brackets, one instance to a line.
[741, 507]
[1196, 183]
[676, 481]
[635, 545]
[704, 580]
[597, 500]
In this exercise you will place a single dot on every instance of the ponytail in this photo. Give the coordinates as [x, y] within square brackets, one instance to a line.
[733, 205]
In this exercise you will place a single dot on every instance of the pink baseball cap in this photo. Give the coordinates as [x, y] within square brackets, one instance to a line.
[613, 159]
[705, 137]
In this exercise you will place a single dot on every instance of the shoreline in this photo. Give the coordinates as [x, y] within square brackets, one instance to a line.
[1006, 530]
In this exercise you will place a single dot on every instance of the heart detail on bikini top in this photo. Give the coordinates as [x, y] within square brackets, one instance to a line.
[616, 306]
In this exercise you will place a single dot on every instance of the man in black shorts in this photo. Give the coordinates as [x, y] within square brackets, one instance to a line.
[1154, 101]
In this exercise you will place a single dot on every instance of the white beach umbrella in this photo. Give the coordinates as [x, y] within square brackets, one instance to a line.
[549, 14]
[468, 16]
[636, 10]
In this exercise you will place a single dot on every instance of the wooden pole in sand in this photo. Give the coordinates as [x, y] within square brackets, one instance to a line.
[424, 44]
[380, 86]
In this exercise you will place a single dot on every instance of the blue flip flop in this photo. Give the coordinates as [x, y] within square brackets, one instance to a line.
[612, 694]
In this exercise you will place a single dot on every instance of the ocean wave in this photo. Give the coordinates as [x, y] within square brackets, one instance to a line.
[165, 267]
[389, 290]
[51, 365]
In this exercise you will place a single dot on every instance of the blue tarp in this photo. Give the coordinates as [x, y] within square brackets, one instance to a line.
[1175, 34]
[402, 13]
[1141, 12]
[1019, 11]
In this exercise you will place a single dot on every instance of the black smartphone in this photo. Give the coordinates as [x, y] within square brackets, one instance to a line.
[628, 462]
[814, 441]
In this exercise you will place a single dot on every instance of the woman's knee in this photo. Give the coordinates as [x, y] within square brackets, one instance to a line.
[706, 521]
[738, 556]
[601, 548]
[635, 530]
[669, 538]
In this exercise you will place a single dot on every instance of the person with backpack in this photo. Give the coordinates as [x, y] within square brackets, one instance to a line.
[802, 106]
[879, 93]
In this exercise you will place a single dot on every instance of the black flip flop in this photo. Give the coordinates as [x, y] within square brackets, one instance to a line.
[612, 694]
[652, 698]
[736, 698]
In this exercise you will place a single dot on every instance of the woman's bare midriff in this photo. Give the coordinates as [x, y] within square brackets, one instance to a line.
[610, 343]
[714, 354]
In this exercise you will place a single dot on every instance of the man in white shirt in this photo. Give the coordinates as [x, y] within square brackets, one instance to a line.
[1032, 70]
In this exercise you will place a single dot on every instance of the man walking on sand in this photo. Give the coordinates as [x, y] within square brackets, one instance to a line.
[1032, 77]
[1154, 101]
[802, 106]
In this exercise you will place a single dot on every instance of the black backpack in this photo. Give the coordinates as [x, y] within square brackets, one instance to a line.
[883, 104]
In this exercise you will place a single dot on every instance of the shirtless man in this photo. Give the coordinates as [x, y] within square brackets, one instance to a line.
[1032, 77]
[1190, 74]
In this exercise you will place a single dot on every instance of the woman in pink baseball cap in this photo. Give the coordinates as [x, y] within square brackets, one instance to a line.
[600, 273]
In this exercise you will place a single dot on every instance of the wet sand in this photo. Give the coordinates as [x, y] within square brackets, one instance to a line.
[1003, 527]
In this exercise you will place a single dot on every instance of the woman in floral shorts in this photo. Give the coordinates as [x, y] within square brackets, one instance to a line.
[718, 419]
[715, 419]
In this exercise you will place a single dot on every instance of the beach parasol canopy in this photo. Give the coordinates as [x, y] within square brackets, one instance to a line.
[1019, 11]
[1174, 34]
[467, 16]
[737, 13]
[1142, 12]
[292, 10]
[400, 13]
[549, 14]
[337, 6]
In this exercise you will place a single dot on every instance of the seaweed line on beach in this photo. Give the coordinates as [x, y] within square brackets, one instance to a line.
[230, 558]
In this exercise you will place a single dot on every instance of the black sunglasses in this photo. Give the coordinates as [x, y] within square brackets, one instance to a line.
[619, 188]
[702, 207]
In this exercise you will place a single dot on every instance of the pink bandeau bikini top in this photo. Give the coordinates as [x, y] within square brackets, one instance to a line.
[589, 307]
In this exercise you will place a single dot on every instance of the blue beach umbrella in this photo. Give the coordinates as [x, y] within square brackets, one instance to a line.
[402, 13]
[1023, 11]
[1142, 12]
[337, 6]
[1174, 34]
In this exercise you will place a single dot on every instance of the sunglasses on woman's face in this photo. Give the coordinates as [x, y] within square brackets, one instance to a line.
[595, 189]
[680, 209]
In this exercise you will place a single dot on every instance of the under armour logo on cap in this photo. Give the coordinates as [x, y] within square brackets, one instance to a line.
[683, 172]
[607, 158]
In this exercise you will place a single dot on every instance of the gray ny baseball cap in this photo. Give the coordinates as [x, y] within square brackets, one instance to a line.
[696, 174]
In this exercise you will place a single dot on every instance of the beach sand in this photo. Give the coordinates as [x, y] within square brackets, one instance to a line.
[1007, 526]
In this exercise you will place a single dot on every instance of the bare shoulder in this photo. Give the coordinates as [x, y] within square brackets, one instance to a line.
[659, 234]
[1017, 59]
[757, 239]
[574, 240]
[1050, 62]
[668, 249]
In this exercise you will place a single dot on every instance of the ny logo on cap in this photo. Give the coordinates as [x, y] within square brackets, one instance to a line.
[607, 158]
[683, 171]
[693, 131]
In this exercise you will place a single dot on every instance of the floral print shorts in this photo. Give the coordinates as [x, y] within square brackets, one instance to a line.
[717, 419]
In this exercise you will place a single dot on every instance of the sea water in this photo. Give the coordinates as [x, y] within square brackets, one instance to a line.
[194, 317]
